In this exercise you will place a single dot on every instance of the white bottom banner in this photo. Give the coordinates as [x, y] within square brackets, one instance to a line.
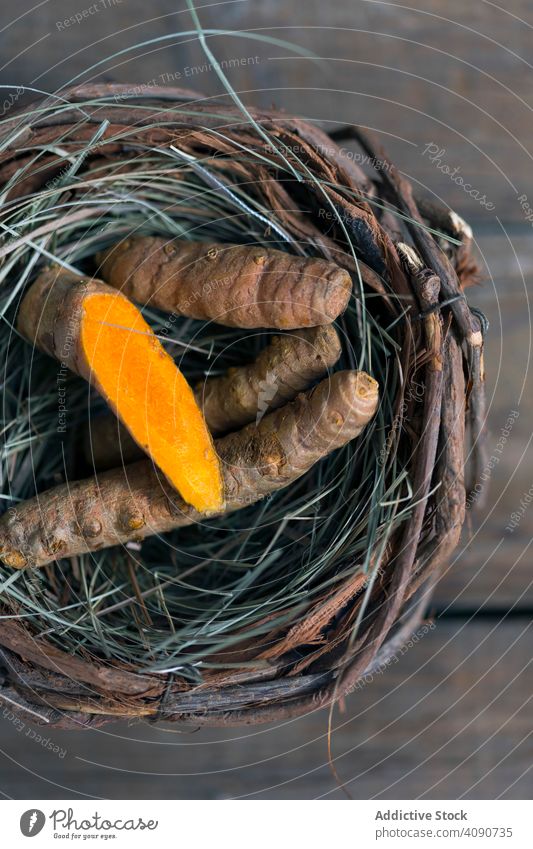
[261, 825]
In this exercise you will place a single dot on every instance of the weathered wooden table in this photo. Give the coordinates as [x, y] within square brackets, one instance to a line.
[452, 718]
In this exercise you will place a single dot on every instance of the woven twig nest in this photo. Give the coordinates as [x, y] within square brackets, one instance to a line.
[292, 603]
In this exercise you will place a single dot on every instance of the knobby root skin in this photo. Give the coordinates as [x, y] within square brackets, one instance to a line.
[100, 335]
[285, 367]
[134, 502]
[264, 457]
[235, 285]
[289, 364]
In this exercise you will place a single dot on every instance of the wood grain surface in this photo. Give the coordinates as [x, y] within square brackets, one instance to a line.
[451, 73]
[452, 718]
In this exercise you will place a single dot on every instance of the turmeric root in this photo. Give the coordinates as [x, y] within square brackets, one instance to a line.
[235, 285]
[98, 334]
[288, 365]
[134, 502]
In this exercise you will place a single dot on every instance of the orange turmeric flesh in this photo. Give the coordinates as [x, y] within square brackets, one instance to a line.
[146, 390]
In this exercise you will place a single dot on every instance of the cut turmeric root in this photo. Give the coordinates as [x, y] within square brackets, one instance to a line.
[235, 285]
[289, 364]
[133, 502]
[101, 336]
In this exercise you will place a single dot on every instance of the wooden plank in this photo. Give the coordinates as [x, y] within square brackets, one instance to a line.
[451, 73]
[492, 568]
[450, 719]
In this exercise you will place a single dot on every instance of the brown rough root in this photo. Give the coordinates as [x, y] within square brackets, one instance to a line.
[235, 285]
[51, 313]
[134, 502]
[286, 366]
